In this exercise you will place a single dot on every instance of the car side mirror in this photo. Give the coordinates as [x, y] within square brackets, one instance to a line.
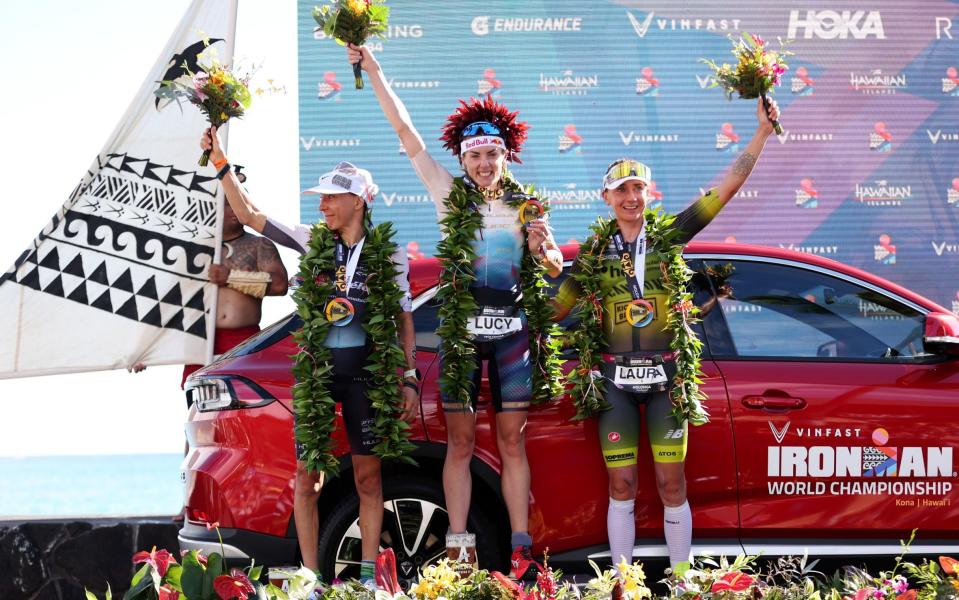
[942, 333]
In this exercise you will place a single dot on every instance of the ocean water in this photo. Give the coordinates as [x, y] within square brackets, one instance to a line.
[90, 486]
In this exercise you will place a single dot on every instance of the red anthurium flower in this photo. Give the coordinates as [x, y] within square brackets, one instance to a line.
[234, 585]
[386, 572]
[735, 581]
[949, 565]
[168, 593]
[158, 559]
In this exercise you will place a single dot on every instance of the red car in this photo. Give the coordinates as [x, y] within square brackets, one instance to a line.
[833, 396]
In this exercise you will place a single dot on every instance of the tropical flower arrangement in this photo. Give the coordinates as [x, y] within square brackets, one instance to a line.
[353, 22]
[757, 71]
[199, 577]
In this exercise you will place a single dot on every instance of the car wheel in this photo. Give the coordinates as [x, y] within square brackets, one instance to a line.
[414, 526]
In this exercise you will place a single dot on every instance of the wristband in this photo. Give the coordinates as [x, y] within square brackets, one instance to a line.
[412, 386]
[223, 171]
[414, 373]
[219, 163]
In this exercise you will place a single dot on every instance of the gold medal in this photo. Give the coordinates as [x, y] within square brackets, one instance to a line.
[639, 313]
[339, 312]
[530, 211]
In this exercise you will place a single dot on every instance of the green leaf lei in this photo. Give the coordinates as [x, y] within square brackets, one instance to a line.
[313, 403]
[588, 387]
[456, 254]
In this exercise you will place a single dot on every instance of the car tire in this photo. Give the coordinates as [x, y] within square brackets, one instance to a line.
[414, 525]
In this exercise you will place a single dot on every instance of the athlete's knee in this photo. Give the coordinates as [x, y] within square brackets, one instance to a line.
[622, 485]
[672, 489]
[511, 441]
[308, 483]
[460, 445]
[368, 482]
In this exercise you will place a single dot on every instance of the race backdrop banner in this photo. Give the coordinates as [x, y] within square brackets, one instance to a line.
[118, 276]
[866, 170]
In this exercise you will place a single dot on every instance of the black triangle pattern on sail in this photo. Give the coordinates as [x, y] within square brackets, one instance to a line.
[99, 274]
[173, 296]
[196, 301]
[129, 309]
[55, 287]
[123, 282]
[149, 289]
[75, 267]
[198, 328]
[79, 294]
[176, 321]
[51, 260]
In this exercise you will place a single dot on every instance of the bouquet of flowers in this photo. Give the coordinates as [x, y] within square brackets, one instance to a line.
[758, 69]
[353, 22]
[218, 91]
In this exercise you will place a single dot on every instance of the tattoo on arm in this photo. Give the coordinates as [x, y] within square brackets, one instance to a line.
[268, 259]
[744, 164]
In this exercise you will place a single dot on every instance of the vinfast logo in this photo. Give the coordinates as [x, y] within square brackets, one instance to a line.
[647, 84]
[641, 25]
[571, 197]
[807, 196]
[404, 84]
[793, 136]
[882, 193]
[875, 83]
[942, 136]
[950, 83]
[811, 249]
[941, 248]
[884, 252]
[489, 85]
[315, 143]
[802, 84]
[393, 197]
[570, 141]
[727, 140]
[393, 32]
[329, 88]
[829, 24]
[484, 25]
[705, 81]
[743, 193]
[943, 28]
[567, 84]
[631, 137]
[880, 139]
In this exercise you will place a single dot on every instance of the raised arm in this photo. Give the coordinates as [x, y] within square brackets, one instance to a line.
[239, 200]
[392, 106]
[743, 166]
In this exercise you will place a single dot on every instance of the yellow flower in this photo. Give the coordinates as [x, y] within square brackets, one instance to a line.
[224, 117]
[357, 7]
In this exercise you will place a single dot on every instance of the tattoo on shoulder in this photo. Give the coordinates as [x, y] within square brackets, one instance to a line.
[744, 164]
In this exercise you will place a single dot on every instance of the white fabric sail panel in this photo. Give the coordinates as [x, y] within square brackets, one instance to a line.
[118, 275]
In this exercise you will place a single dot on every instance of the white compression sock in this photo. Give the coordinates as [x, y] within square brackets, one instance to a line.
[678, 525]
[621, 528]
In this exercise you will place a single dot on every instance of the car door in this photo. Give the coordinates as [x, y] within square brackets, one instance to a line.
[843, 423]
